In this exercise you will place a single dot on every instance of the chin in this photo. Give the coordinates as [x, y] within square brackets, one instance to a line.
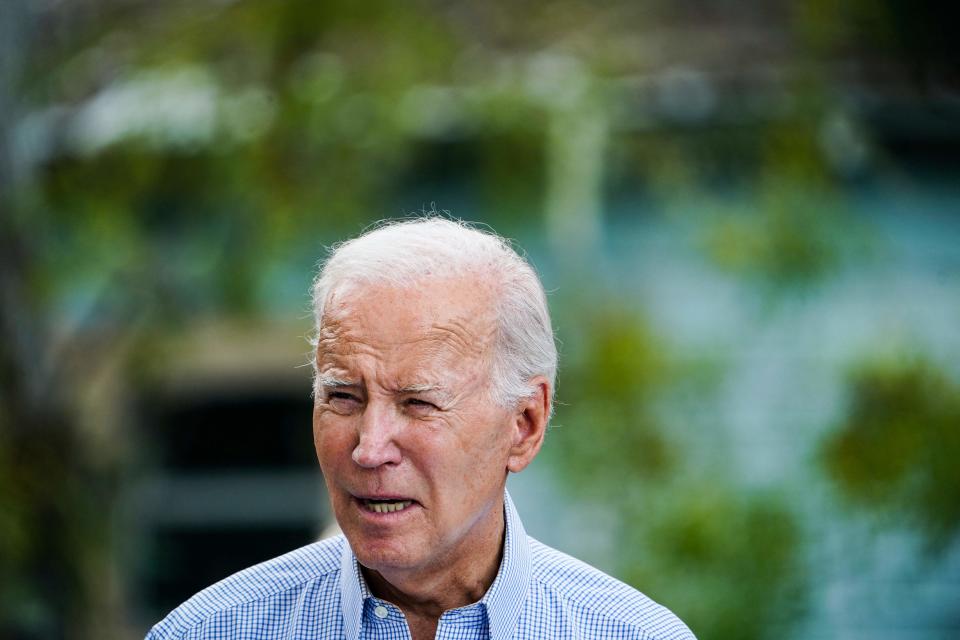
[383, 555]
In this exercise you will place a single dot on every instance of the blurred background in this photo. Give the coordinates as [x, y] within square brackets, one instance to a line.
[747, 213]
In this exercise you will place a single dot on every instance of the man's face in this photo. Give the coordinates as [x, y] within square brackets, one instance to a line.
[413, 451]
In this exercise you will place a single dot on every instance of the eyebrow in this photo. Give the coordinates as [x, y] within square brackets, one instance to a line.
[333, 382]
[420, 388]
[443, 394]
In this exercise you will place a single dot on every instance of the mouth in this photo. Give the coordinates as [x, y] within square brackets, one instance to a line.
[384, 505]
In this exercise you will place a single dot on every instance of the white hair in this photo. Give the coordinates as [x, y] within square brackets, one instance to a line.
[402, 252]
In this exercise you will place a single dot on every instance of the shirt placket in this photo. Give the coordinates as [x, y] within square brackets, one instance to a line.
[383, 621]
[467, 623]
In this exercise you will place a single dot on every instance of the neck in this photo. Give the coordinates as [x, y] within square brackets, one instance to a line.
[460, 578]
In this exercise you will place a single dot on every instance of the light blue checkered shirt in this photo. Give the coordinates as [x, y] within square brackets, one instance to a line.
[318, 591]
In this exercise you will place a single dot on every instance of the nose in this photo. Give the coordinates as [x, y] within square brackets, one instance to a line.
[376, 442]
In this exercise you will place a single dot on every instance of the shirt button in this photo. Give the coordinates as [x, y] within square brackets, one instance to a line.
[381, 612]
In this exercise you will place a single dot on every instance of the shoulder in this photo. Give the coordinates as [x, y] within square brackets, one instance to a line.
[271, 586]
[599, 601]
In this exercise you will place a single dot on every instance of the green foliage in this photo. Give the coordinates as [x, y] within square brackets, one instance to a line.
[896, 450]
[51, 529]
[308, 120]
[784, 232]
[607, 433]
[782, 240]
[726, 560]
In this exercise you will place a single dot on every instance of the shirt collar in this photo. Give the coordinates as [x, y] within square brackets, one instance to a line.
[505, 598]
[353, 592]
[502, 602]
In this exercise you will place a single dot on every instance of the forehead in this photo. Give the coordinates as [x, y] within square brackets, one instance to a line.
[432, 316]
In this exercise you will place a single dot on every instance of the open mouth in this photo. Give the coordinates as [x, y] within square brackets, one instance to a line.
[384, 506]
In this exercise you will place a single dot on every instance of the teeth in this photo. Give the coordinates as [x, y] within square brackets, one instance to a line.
[386, 507]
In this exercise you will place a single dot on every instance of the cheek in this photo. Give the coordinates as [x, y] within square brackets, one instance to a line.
[477, 462]
[489, 459]
[333, 442]
[494, 443]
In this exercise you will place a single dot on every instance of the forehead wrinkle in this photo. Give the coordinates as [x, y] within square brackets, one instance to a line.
[456, 335]
[346, 343]
[451, 346]
[461, 336]
[361, 362]
[334, 375]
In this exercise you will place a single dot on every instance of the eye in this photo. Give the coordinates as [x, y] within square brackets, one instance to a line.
[419, 405]
[343, 401]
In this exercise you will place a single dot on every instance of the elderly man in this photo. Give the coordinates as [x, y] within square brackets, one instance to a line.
[434, 378]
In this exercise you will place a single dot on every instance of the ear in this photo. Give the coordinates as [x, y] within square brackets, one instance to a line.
[529, 426]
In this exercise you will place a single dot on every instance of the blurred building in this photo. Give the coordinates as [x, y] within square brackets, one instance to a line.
[227, 475]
